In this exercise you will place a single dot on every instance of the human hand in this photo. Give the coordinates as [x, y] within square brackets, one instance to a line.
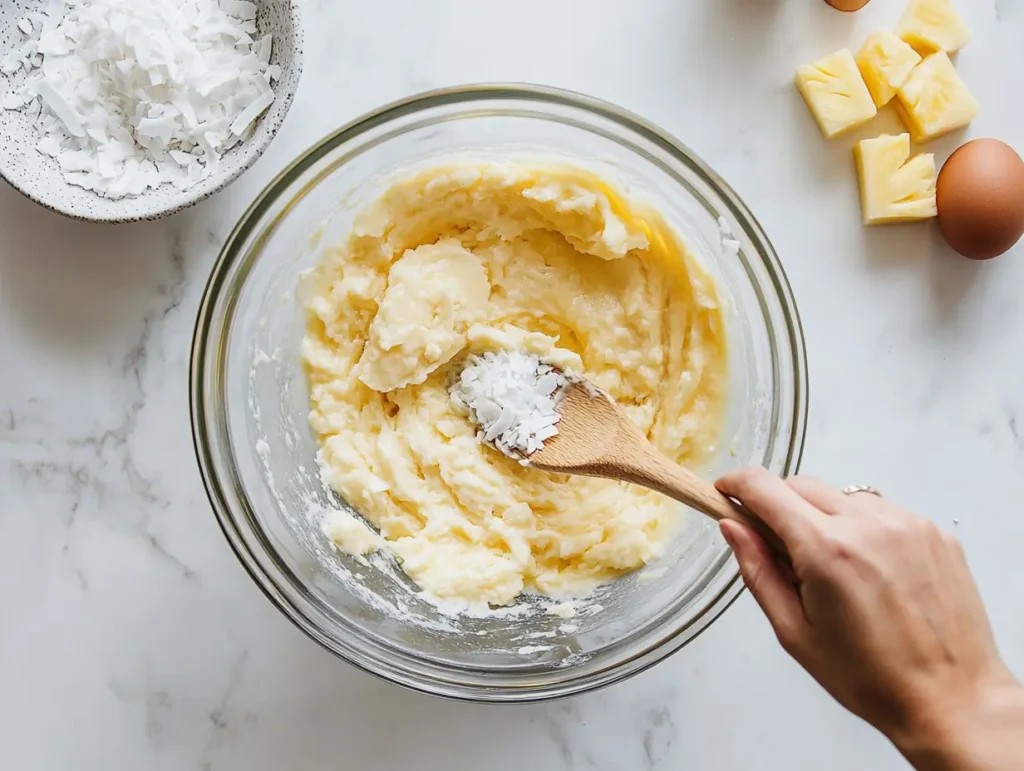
[881, 609]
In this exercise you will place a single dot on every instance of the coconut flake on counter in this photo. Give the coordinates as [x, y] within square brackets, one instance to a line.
[513, 397]
[132, 94]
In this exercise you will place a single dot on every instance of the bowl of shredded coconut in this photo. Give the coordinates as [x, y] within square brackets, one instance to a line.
[124, 110]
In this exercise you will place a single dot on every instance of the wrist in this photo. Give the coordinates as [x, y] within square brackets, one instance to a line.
[981, 731]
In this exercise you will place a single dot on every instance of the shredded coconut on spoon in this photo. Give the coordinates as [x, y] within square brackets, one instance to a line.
[513, 397]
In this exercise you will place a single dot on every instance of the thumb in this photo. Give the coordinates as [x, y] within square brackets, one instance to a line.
[766, 581]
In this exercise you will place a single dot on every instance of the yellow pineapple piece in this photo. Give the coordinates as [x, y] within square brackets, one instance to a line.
[934, 100]
[885, 63]
[893, 186]
[835, 92]
[933, 25]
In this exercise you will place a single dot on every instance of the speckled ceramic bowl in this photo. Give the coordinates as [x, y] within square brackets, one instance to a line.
[39, 178]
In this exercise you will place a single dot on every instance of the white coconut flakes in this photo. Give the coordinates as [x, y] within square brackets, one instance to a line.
[514, 398]
[131, 94]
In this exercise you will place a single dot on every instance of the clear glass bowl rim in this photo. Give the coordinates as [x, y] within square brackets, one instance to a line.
[233, 251]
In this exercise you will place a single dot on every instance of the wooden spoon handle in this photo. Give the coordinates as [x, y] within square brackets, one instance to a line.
[688, 488]
[655, 471]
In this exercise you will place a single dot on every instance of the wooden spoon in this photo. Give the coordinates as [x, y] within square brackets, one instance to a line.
[596, 439]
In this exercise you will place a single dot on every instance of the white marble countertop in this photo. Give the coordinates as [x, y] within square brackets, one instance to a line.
[131, 638]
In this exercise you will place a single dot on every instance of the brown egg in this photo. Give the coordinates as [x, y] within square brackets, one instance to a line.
[848, 5]
[981, 199]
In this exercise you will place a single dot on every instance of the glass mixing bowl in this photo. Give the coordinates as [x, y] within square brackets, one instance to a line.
[257, 454]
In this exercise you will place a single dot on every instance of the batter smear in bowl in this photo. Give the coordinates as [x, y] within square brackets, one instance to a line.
[541, 259]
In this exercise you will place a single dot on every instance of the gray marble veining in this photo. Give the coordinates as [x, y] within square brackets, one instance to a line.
[132, 639]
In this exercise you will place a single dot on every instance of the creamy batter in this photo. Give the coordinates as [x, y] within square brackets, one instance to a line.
[540, 259]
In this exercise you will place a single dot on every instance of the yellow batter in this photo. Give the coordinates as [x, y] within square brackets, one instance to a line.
[546, 260]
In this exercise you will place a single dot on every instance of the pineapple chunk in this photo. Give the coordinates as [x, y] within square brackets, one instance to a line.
[836, 94]
[933, 25]
[885, 63]
[934, 101]
[893, 186]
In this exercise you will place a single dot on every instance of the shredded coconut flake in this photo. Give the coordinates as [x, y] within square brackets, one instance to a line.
[132, 94]
[729, 243]
[513, 397]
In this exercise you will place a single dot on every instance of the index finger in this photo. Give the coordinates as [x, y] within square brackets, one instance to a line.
[790, 515]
